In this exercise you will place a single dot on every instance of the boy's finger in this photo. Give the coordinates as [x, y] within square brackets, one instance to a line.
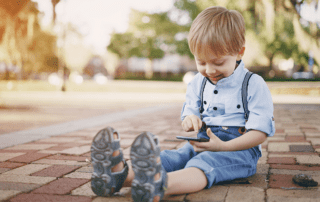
[195, 125]
[200, 123]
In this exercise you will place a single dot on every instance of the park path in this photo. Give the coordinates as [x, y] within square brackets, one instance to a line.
[57, 168]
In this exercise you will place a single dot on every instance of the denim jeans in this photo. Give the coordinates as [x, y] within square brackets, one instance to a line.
[217, 166]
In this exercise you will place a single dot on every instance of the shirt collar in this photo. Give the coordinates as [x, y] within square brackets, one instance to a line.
[234, 78]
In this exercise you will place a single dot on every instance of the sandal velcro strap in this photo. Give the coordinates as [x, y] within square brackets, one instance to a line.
[115, 145]
[161, 185]
[116, 159]
[120, 177]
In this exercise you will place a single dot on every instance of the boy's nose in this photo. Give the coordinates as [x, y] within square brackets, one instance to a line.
[210, 70]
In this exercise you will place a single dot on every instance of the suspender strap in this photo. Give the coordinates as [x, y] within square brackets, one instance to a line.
[201, 109]
[244, 93]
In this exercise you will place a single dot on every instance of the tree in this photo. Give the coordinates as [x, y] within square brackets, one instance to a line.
[272, 28]
[23, 42]
[148, 36]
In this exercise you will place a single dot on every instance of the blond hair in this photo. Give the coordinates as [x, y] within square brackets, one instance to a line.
[217, 31]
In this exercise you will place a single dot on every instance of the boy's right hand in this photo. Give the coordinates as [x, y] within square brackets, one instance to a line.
[191, 123]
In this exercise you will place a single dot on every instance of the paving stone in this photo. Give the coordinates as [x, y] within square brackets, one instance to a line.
[215, 193]
[281, 181]
[84, 190]
[294, 172]
[293, 195]
[49, 198]
[86, 169]
[56, 170]
[301, 148]
[262, 169]
[283, 146]
[60, 139]
[85, 142]
[282, 160]
[80, 175]
[276, 139]
[2, 170]
[18, 186]
[26, 179]
[308, 159]
[31, 147]
[314, 141]
[112, 199]
[6, 194]
[57, 148]
[28, 158]
[263, 159]
[245, 194]
[59, 162]
[18, 151]
[290, 154]
[296, 167]
[48, 152]
[295, 134]
[7, 156]
[316, 134]
[126, 153]
[10, 165]
[27, 169]
[174, 198]
[279, 130]
[76, 150]
[67, 157]
[295, 139]
[256, 180]
[60, 186]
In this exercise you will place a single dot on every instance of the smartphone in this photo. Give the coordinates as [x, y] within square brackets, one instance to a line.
[193, 139]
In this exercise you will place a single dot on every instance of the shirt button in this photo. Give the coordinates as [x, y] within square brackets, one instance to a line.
[215, 108]
[238, 106]
[205, 102]
[215, 92]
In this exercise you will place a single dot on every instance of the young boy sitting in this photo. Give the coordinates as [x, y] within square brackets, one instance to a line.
[213, 107]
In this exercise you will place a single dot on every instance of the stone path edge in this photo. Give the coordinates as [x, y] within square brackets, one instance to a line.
[25, 136]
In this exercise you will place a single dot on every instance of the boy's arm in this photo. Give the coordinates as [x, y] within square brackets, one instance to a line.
[246, 141]
[192, 103]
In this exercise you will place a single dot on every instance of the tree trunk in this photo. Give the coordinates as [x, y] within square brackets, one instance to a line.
[149, 69]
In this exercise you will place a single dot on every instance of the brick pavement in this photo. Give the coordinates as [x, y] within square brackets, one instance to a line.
[57, 168]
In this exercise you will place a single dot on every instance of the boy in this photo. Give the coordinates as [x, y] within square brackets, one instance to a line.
[216, 39]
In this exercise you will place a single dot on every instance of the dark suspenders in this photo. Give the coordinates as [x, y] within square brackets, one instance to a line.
[244, 94]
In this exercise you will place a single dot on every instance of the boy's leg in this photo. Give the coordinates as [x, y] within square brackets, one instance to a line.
[187, 180]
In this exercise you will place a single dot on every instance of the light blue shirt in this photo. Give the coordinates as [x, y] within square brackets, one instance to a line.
[223, 102]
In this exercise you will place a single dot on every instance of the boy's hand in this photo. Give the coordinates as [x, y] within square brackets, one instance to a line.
[215, 144]
[191, 123]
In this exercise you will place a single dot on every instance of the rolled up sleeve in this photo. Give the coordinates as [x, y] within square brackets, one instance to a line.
[192, 104]
[260, 105]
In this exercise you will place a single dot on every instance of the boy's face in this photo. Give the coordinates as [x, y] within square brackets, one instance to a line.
[217, 68]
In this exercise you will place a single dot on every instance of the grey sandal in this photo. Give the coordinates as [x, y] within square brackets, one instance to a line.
[144, 154]
[103, 181]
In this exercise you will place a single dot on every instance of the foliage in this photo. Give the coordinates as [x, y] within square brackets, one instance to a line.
[144, 38]
[24, 43]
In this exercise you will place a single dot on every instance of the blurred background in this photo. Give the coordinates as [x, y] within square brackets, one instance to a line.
[63, 60]
[71, 42]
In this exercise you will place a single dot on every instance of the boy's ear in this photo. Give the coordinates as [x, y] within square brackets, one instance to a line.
[241, 53]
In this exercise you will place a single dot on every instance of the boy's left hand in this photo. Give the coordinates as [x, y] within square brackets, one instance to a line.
[215, 144]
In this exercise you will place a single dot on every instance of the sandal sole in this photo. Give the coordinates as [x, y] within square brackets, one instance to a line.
[144, 154]
[101, 151]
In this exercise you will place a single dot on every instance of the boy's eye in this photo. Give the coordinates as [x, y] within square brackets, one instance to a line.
[219, 64]
[202, 63]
